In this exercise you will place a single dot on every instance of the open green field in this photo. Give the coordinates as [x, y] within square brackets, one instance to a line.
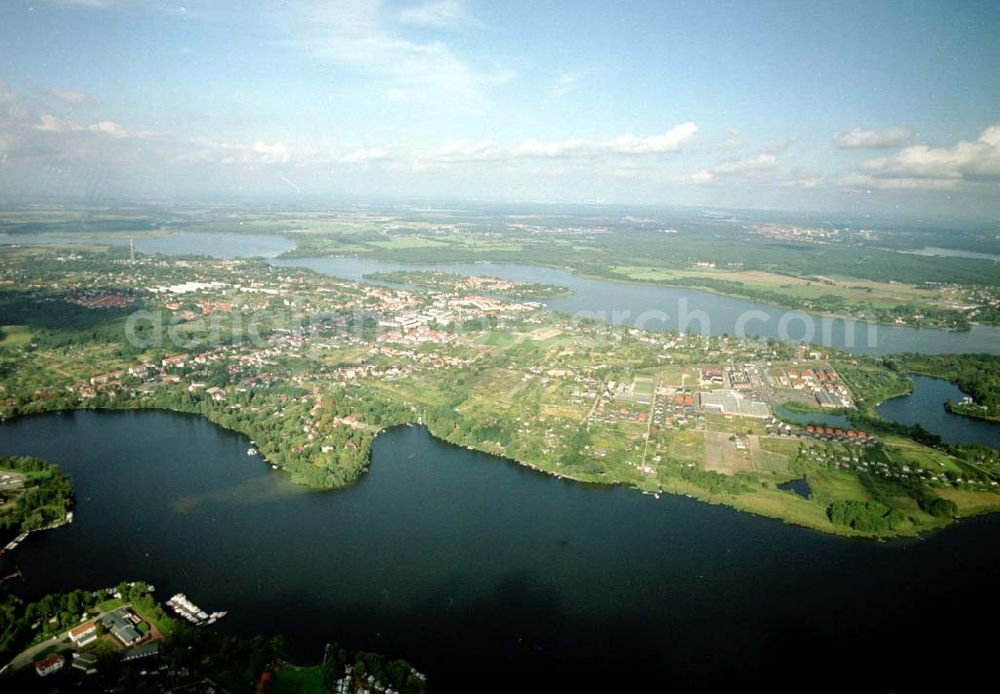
[679, 376]
[643, 388]
[110, 604]
[298, 680]
[404, 242]
[688, 446]
[765, 460]
[498, 338]
[849, 289]
[15, 335]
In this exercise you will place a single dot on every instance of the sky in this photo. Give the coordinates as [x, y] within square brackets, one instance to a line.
[841, 106]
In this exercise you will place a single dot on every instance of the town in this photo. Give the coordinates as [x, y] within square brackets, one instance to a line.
[312, 368]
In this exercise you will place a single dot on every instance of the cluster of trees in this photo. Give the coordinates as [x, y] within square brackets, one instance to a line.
[451, 281]
[282, 439]
[59, 322]
[397, 674]
[717, 483]
[45, 499]
[236, 663]
[866, 516]
[938, 507]
[978, 375]
[871, 422]
[23, 623]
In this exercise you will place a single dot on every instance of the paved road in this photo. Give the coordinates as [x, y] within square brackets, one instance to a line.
[27, 657]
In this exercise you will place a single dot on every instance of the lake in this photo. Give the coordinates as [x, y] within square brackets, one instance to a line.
[953, 253]
[674, 308]
[652, 307]
[925, 406]
[490, 576]
[813, 417]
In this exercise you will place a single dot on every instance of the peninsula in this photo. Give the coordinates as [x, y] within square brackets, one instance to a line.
[312, 368]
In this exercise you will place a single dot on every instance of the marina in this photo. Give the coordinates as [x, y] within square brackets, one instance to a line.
[188, 610]
[15, 542]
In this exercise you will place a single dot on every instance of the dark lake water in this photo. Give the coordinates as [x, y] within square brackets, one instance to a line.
[659, 308]
[799, 486]
[925, 406]
[954, 253]
[489, 576]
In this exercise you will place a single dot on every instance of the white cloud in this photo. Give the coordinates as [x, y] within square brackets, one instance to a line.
[277, 152]
[965, 160]
[358, 33]
[363, 155]
[99, 4]
[566, 83]
[762, 169]
[737, 168]
[670, 141]
[779, 146]
[54, 124]
[441, 14]
[629, 145]
[623, 145]
[859, 138]
[558, 148]
[70, 97]
[864, 181]
[803, 182]
[762, 162]
[468, 150]
[110, 128]
[229, 153]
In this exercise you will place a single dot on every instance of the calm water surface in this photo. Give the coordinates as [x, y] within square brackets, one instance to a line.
[659, 308]
[652, 307]
[488, 575]
[925, 406]
[830, 420]
[953, 253]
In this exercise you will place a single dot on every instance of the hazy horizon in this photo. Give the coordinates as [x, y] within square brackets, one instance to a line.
[844, 108]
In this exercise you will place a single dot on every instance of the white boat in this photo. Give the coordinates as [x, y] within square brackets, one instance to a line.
[251, 451]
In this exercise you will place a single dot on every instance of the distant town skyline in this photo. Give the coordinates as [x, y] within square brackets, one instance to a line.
[844, 106]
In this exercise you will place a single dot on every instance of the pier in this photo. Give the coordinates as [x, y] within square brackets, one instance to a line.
[191, 612]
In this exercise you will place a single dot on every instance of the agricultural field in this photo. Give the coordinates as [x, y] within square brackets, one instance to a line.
[849, 289]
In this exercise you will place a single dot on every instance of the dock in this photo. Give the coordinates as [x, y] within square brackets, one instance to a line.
[188, 610]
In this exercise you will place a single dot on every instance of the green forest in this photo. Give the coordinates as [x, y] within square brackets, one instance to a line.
[44, 499]
[977, 375]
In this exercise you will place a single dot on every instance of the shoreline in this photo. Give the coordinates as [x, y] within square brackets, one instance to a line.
[679, 488]
[616, 280]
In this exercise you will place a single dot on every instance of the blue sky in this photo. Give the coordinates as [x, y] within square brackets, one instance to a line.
[879, 106]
